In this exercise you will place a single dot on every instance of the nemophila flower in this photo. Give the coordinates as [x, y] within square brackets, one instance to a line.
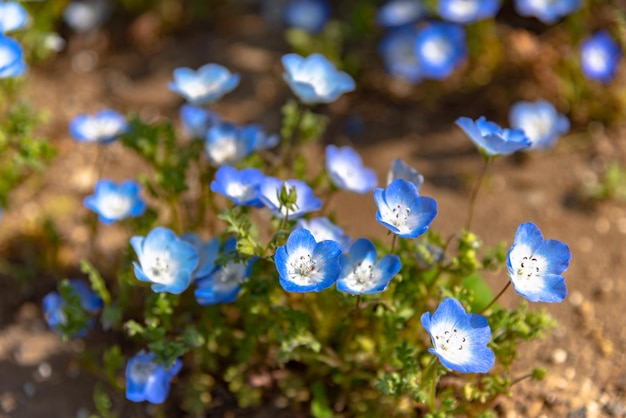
[362, 274]
[400, 12]
[536, 265]
[53, 305]
[165, 260]
[13, 16]
[401, 170]
[600, 56]
[196, 121]
[306, 201]
[403, 211]
[467, 11]
[147, 380]
[113, 202]
[440, 48]
[491, 139]
[397, 50]
[345, 168]
[323, 229]
[86, 15]
[11, 58]
[227, 143]
[315, 79]
[103, 127]
[207, 254]
[259, 139]
[548, 11]
[309, 15]
[239, 186]
[206, 85]
[459, 339]
[224, 283]
[541, 122]
[305, 265]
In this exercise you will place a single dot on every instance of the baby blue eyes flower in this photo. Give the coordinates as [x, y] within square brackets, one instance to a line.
[346, 170]
[403, 211]
[196, 121]
[600, 56]
[239, 186]
[103, 127]
[323, 229]
[397, 50]
[536, 265]
[165, 260]
[227, 143]
[361, 274]
[207, 254]
[309, 15]
[53, 306]
[548, 11]
[491, 139]
[306, 201]
[314, 79]
[540, 121]
[13, 16]
[11, 58]
[307, 266]
[206, 85]
[396, 13]
[440, 48]
[401, 170]
[467, 11]
[147, 380]
[113, 202]
[459, 339]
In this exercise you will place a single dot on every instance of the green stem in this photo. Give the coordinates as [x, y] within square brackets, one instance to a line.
[519, 379]
[433, 383]
[393, 243]
[472, 203]
[497, 297]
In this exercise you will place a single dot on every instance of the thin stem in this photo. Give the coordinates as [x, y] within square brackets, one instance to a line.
[472, 203]
[285, 220]
[393, 243]
[433, 383]
[355, 317]
[519, 379]
[497, 297]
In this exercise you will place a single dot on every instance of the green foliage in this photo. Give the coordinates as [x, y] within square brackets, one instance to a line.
[76, 317]
[611, 184]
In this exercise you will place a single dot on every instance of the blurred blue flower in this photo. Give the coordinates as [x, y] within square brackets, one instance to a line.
[491, 139]
[224, 283]
[600, 56]
[13, 16]
[113, 202]
[207, 254]
[103, 127]
[548, 11]
[345, 168]
[323, 229]
[396, 13]
[227, 143]
[397, 50]
[11, 58]
[53, 306]
[540, 121]
[305, 265]
[147, 380]
[309, 15]
[467, 11]
[165, 260]
[206, 85]
[403, 211]
[239, 186]
[86, 15]
[440, 47]
[536, 265]
[362, 274]
[314, 79]
[401, 170]
[196, 121]
[306, 201]
[459, 339]
[258, 138]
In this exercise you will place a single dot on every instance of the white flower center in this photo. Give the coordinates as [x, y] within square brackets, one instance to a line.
[597, 58]
[464, 8]
[537, 126]
[529, 267]
[436, 50]
[318, 80]
[450, 342]
[196, 88]
[114, 206]
[140, 372]
[161, 268]
[240, 191]
[224, 150]
[302, 269]
[400, 216]
[363, 277]
[7, 56]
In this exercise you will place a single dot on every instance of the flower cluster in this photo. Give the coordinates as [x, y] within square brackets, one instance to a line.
[13, 17]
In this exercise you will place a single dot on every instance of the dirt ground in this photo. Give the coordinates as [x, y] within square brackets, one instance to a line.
[584, 356]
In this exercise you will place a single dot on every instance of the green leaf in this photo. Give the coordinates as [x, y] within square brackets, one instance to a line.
[480, 289]
[97, 283]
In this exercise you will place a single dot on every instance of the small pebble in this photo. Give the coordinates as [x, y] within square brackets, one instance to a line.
[576, 299]
[44, 370]
[559, 356]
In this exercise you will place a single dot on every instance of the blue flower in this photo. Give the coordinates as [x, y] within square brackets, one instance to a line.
[258, 138]
[207, 254]
[323, 229]
[403, 211]
[224, 283]
[13, 16]
[491, 139]
[540, 121]
[11, 58]
[114, 202]
[307, 266]
[196, 121]
[227, 143]
[459, 339]
[536, 265]
[239, 186]
[600, 56]
[547, 11]
[206, 85]
[314, 79]
[346, 171]
[397, 50]
[361, 274]
[53, 306]
[165, 260]
[401, 170]
[103, 127]
[467, 11]
[309, 15]
[147, 380]
[86, 16]
[440, 48]
[396, 13]
[306, 201]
